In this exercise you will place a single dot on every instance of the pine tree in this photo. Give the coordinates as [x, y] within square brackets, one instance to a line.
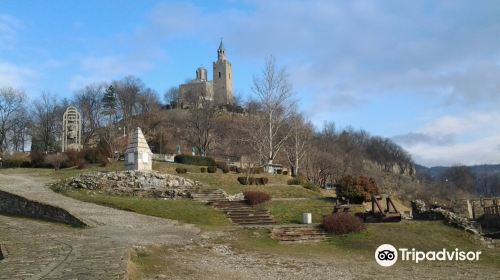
[109, 100]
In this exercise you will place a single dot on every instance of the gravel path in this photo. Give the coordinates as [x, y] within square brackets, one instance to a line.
[44, 250]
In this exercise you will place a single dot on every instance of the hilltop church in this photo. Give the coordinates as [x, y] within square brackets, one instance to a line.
[219, 90]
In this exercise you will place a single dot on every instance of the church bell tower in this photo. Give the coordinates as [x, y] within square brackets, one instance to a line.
[223, 78]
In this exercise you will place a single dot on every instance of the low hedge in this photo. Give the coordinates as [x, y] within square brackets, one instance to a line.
[212, 169]
[256, 197]
[194, 160]
[181, 170]
[203, 170]
[253, 180]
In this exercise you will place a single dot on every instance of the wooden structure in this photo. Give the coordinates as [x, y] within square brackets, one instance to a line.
[380, 215]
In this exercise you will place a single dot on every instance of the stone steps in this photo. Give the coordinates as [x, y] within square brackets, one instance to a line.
[298, 234]
[242, 214]
[209, 195]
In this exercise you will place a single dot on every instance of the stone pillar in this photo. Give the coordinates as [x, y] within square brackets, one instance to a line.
[138, 155]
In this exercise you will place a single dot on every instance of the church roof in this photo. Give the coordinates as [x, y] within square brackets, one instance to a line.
[221, 46]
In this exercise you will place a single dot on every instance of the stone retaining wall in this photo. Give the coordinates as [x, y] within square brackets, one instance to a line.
[16, 205]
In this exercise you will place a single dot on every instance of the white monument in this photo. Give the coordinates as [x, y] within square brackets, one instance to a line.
[72, 130]
[138, 155]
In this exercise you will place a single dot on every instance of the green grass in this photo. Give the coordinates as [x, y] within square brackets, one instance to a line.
[277, 186]
[290, 211]
[421, 235]
[185, 210]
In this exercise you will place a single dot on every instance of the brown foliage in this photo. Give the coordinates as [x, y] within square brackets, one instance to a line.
[342, 223]
[256, 197]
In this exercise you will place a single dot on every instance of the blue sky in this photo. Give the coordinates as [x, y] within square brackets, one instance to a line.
[425, 73]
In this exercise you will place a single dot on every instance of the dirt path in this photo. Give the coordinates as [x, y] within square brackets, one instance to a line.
[42, 250]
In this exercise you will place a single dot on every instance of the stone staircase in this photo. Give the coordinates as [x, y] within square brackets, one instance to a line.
[298, 234]
[209, 195]
[242, 214]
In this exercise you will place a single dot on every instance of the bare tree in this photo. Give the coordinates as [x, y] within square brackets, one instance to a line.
[172, 96]
[201, 125]
[274, 93]
[89, 101]
[296, 146]
[11, 104]
[46, 123]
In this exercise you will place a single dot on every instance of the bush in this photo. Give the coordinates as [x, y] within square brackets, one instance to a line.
[203, 170]
[38, 159]
[256, 197]
[298, 180]
[103, 160]
[311, 186]
[285, 172]
[181, 170]
[212, 169]
[16, 160]
[225, 169]
[253, 180]
[221, 164]
[194, 160]
[342, 223]
[56, 160]
[356, 189]
[279, 171]
[76, 158]
[91, 155]
[256, 170]
[263, 181]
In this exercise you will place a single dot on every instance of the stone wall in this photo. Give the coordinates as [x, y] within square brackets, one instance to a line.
[16, 205]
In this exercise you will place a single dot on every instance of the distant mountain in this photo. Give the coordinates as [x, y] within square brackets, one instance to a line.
[436, 171]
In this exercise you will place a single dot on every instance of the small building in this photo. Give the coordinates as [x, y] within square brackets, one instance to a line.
[138, 155]
[273, 168]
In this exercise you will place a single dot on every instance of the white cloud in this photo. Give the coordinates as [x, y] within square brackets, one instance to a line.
[17, 76]
[8, 31]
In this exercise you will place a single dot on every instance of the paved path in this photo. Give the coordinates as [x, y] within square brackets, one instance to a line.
[45, 250]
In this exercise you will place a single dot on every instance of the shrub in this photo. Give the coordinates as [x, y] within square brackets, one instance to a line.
[203, 170]
[263, 180]
[91, 155]
[16, 160]
[243, 180]
[56, 160]
[76, 158]
[103, 160]
[194, 160]
[298, 180]
[212, 169]
[285, 172]
[256, 170]
[181, 170]
[221, 164]
[38, 159]
[256, 197]
[279, 171]
[342, 223]
[356, 189]
[225, 169]
[311, 186]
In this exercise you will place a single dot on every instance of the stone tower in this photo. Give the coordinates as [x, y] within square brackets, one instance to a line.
[223, 78]
[138, 155]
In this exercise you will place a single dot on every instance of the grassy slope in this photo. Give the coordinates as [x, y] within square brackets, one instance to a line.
[185, 210]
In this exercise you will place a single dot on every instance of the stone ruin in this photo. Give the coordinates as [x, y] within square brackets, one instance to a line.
[421, 212]
[138, 155]
[136, 183]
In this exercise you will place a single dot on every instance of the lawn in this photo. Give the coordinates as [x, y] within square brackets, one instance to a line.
[290, 211]
[421, 235]
[185, 210]
[277, 186]
[63, 173]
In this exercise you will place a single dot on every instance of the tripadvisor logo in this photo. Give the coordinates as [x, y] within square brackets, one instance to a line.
[387, 255]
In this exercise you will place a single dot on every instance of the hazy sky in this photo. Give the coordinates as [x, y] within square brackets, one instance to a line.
[425, 73]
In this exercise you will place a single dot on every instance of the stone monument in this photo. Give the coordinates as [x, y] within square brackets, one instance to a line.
[72, 130]
[138, 155]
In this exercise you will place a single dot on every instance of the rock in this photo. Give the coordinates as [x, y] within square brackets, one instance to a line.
[139, 183]
[420, 212]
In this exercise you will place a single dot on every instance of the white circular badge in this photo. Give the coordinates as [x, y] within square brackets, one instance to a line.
[386, 255]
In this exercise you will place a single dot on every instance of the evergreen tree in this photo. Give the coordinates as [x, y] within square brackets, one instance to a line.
[109, 101]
